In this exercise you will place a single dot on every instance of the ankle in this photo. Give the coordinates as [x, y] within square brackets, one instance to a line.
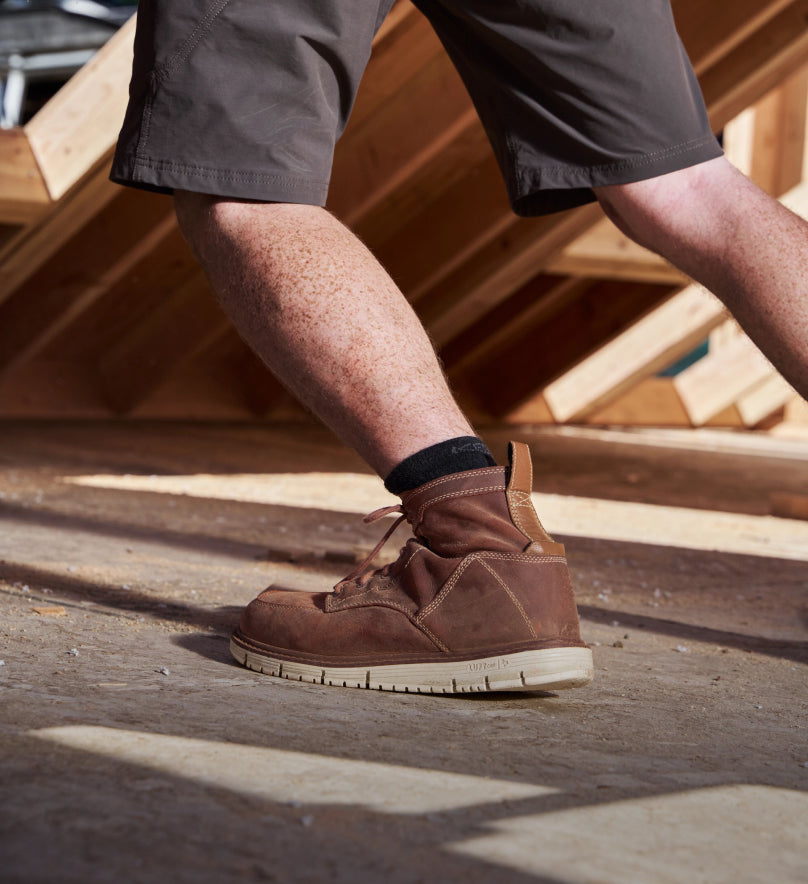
[452, 456]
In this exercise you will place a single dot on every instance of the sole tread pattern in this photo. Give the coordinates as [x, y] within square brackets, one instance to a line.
[543, 670]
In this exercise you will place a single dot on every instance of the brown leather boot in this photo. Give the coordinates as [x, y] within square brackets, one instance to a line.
[479, 600]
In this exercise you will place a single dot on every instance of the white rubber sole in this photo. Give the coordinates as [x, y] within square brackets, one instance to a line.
[553, 669]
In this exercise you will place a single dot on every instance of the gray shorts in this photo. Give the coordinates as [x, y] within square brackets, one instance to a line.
[246, 98]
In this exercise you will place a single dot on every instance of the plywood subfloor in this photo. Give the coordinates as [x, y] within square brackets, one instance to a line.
[134, 749]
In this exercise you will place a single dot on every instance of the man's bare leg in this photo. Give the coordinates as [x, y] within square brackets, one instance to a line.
[491, 588]
[748, 249]
[328, 321]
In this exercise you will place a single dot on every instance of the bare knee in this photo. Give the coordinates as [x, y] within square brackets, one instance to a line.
[210, 222]
[205, 218]
[653, 210]
[198, 217]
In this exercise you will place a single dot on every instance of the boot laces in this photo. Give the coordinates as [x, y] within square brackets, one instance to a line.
[362, 573]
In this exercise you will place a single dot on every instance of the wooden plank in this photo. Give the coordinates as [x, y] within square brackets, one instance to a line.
[796, 411]
[261, 391]
[130, 300]
[653, 402]
[23, 195]
[80, 124]
[739, 139]
[797, 200]
[195, 391]
[396, 124]
[657, 340]
[764, 399]
[497, 269]
[400, 13]
[794, 421]
[168, 337]
[534, 411]
[9, 232]
[78, 301]
[719, 379]
[223, 380]
[728, 417]
[779, 139]
[83, 268]
[425, 247]
[757, 65]
[788, 506]
[52, 389]
[711, 31]
[543, 298]
[401, 192]
[24, 254]
[505, 376]
[606, 253]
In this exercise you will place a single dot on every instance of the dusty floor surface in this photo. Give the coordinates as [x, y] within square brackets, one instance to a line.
[134, 749]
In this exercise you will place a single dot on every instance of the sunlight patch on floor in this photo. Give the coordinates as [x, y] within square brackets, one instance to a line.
[705, 836]
[565, 515]
[283, 776]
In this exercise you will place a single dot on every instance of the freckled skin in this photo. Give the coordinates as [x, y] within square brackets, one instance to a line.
[330, 323]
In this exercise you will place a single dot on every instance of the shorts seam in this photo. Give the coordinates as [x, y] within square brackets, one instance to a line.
[227, 174]
[191, 42]
[161, 72]
[644, 160]
[145, 120]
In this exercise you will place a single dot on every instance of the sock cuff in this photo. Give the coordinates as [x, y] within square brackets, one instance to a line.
[452, 456]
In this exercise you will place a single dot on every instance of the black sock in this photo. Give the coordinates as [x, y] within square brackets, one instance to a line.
[451, 456]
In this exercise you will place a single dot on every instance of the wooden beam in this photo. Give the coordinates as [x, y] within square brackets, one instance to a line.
[652, 402]
[604, 252]
[425, 247]
[98, 255]
[797, 200]
[712, 32]
[456, 300]
[195, 391]
[23, 195]
[396, 125]
[779, 143]
[52, 389]
[657, 340]
[534, 411]
[541, 299]
[80, 124]
[505, 376]
[223, 380]
[23, 255]
[764, 399]
[76, 303]
[739, 140]
[719, 379]
[413, 191]
[757, 65]
[169, 336]
[796, 411]
[788, 506]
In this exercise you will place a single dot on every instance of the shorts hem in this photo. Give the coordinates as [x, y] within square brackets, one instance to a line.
[166, 176]
[550, 189]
